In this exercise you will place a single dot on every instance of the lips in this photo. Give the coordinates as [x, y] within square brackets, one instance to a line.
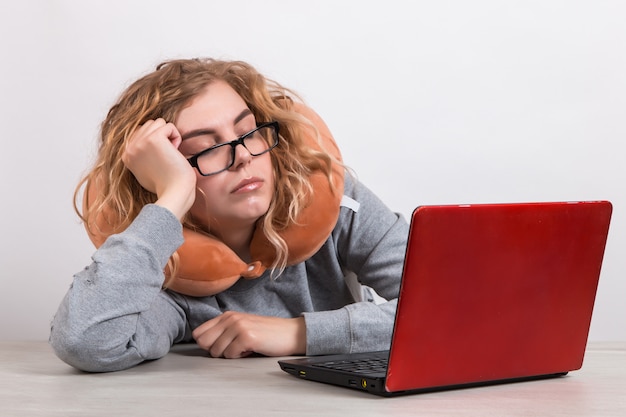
[248, 184]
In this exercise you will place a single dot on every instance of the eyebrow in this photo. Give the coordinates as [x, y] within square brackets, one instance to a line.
[204, 131]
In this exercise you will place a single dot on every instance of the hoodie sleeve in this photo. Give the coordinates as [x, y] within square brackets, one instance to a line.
[115, 314]
[370, 242]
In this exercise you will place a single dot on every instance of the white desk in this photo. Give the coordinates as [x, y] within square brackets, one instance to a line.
[33, 382]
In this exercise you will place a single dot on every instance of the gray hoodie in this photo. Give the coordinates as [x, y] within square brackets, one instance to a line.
[116, 315]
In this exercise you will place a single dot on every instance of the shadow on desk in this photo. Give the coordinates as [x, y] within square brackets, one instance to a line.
[189, 349]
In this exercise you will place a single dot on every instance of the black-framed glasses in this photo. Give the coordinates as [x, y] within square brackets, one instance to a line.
[221, 157]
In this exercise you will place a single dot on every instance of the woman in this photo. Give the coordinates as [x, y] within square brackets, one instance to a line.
[167, 159]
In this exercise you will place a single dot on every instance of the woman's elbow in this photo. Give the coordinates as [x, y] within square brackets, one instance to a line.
[90, 354]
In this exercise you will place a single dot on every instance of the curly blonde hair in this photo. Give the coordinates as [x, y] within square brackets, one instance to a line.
[164, 93]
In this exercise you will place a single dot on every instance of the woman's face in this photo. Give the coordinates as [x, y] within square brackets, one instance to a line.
[237, 197]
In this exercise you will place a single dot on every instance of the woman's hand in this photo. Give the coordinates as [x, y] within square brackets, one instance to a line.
[236, 335]
[152, 156]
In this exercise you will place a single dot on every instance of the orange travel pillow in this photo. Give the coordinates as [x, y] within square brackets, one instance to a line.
[208, 266]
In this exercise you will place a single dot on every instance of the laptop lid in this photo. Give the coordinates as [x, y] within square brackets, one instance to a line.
[495, 292]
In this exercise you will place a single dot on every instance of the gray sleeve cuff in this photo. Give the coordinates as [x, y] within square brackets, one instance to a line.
[358, 327]
[327, 331]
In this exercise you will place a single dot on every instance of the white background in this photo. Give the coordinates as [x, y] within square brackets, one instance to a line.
[430, 101]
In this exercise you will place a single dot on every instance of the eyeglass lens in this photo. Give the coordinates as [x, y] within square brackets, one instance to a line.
[222, 157]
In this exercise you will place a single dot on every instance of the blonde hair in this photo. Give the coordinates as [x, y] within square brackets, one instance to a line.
[164, 93]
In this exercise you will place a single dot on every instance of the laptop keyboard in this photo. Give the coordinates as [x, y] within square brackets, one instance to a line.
[360, 366]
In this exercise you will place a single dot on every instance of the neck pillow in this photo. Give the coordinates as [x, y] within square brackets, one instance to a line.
[207, 266]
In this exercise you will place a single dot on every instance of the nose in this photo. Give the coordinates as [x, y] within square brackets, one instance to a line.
[241, 156]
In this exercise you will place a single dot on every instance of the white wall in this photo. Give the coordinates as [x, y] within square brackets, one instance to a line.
[431, 102]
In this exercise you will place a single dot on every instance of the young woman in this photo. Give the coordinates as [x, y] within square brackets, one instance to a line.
[215, 149]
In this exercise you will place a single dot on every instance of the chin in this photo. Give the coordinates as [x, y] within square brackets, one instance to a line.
[255, 214]
[250, 210]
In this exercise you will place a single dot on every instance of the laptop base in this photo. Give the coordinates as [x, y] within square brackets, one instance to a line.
[305, 368]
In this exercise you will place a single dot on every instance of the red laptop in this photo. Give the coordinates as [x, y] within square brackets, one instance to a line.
[490, 293]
